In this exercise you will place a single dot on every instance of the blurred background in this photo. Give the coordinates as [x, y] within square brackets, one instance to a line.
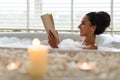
[24, 15]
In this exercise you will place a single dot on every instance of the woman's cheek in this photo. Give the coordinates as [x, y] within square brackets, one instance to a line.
[82, 26]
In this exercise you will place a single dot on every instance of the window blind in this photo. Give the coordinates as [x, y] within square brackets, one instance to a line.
[25, 14]
[13, 14]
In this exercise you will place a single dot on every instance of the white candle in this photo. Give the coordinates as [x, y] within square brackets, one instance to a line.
[38, 59]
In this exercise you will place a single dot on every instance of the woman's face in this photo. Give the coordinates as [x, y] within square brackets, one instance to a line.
[85, 27]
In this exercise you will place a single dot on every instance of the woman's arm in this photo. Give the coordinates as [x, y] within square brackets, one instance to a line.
[91, 47]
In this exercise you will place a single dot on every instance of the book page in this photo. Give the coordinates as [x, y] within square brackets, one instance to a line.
[48, 23]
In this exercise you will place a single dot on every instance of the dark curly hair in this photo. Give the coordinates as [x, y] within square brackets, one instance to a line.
[100, 19]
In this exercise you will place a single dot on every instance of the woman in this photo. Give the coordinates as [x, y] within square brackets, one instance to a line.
[92, 24]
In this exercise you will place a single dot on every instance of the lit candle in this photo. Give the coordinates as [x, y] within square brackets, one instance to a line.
[86, 66]
[38, 59]
[12, 66]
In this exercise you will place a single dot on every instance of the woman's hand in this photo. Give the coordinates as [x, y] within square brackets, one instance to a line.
[53, 42]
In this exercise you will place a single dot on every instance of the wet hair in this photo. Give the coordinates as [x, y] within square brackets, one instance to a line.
[100, 19]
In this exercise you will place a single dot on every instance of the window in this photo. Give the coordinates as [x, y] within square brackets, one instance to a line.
[25, 14]
[13, 14]
[116, 15]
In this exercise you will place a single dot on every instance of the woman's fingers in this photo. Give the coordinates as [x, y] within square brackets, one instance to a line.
[51, 35]
[53, 42]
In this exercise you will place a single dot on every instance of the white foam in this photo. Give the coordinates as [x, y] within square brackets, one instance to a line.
[104, 42]
[14, 42]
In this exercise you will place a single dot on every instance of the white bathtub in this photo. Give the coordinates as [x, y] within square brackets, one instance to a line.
[107, 62]
[41, 36]
[104, 41]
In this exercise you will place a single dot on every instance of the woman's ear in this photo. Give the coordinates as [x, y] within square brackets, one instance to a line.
[93, 28]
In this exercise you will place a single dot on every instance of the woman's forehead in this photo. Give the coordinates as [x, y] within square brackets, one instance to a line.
[85, 18]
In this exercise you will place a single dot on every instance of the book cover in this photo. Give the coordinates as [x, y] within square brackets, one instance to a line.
[48, 23]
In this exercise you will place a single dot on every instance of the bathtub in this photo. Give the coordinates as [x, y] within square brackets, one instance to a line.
[41, 36]
[107, 61]
[104, 41]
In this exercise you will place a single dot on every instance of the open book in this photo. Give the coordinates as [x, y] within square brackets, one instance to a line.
[48, 23]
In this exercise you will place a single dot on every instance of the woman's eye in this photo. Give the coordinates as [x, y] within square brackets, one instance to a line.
[82, 23]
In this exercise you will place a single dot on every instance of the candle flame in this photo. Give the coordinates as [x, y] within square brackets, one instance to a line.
[35, 42]
[85, 66]
[12, 66]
